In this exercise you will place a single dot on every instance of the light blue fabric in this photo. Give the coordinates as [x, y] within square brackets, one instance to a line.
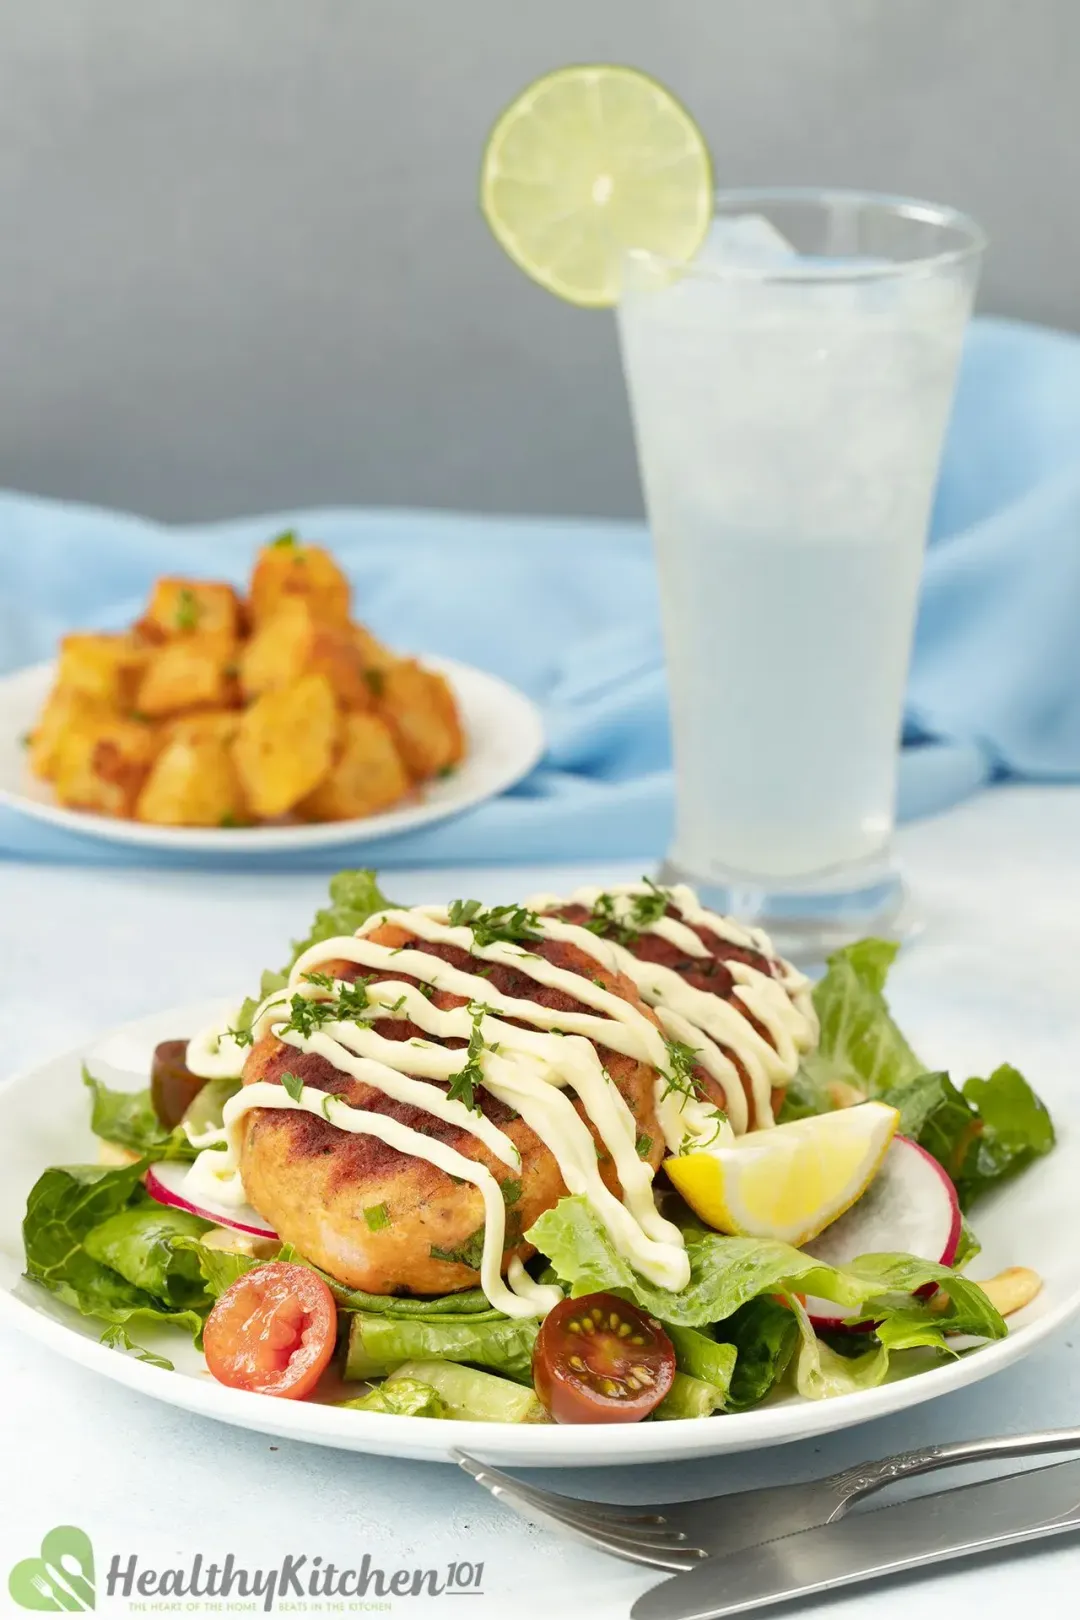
[567, 611]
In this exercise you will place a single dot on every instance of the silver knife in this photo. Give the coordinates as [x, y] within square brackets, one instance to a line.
[872, 1545]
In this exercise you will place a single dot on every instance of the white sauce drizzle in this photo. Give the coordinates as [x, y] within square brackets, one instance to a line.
[527, 1069]
[782, 1005]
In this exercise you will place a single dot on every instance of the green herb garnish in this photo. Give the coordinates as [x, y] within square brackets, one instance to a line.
[293, 1085]
[288, 538]
[463, 1084]
[377, 1217]
[470, 1253]
[511, 1191]
[375, 681]
[645, 910]
[187, 609]
[682, 1060]
[643, 1146]
[499, 924]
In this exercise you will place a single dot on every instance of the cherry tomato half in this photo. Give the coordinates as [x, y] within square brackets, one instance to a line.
[272, 1331]
[599, 1360]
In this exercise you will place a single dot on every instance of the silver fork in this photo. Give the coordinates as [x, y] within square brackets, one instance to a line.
[676, 1535]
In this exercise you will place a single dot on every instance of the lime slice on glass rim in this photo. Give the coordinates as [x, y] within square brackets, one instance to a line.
[587, 163]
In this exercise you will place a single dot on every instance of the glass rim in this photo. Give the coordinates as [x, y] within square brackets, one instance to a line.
[915, 209]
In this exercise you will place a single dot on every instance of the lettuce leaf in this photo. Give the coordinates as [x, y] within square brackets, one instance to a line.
[727, 1272]
[379, 1344]
[64, 1206]
[981, 1135]
[701, 1357]
[354, 897]
[139, 1242]
[405, 1397]
[127, 1119]
[689, 1397]
[763, 1333]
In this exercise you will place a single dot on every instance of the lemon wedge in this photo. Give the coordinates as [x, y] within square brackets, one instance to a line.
[789, 1182]
[587, 163]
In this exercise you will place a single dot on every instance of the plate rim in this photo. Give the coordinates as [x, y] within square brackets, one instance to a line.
[526, 727]
[526, 1445]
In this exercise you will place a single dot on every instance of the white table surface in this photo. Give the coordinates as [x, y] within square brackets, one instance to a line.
[994, 976]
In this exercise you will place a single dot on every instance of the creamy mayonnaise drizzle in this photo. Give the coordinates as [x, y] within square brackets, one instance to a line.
[781, 1005]
[528, 1069]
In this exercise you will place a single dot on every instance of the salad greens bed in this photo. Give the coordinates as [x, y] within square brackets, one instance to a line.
[96, 1239]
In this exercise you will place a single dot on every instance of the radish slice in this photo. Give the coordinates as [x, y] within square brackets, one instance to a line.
[165, 1182]
[910, 1207]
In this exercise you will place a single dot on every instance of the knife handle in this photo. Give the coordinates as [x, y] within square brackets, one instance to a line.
[852, 1484]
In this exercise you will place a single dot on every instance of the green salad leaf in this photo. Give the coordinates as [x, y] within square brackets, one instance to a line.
[139, 1242]
[701, 1357]
[354, 897]
[690, 1397]
[727, 1272]
[379, 1344]
[405, 1397]
[205, 1112]
[981, 1134]
[763, 1333]
[65, 1204]
[218, 1268]
[127, 1119]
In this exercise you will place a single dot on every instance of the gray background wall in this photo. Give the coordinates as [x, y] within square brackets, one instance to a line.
[241, 264]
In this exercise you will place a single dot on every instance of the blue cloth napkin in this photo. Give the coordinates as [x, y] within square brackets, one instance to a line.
[567, 611]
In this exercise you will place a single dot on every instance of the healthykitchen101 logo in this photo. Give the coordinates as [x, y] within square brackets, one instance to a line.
[61, 1580]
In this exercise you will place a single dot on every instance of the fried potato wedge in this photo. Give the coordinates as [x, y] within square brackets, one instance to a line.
[420, 710]
[287, 567]
[180, 607]
[102, 764]
[189, 672]
[292, 642]
[193, 783]
[367, 773]
[104, 667]
[285, 745]
[66, 709]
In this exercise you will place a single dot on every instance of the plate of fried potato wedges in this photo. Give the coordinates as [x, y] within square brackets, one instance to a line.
[258, 720]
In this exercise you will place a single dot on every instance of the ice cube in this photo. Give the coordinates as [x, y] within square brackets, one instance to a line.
[749, 239]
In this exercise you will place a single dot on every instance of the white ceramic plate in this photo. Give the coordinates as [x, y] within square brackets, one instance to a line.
[504, 737]
[44, 1120]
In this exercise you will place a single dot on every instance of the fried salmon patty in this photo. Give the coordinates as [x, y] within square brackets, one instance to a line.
[313, 1182]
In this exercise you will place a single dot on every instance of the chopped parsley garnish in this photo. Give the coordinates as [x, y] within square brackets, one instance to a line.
[289, 538]
[325, 981]
[470, 1253]
[511, 1191]
[242, 1037]
[375, 681]
[445, 771]
[231, 819]
[293, 1085]
[188, 611]
[644, 911]
[643, 1146]
[499, 924]
[377, 1217]
[682, 1060]
[328, 1098]
[463, 1084]
[693, 1144]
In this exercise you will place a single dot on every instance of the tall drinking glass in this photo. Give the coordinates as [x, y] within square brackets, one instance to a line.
[790, 389]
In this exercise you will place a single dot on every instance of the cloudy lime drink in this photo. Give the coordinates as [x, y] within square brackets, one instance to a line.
[789, 409]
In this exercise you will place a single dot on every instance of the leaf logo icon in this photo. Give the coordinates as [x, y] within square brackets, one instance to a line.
[61, 1579]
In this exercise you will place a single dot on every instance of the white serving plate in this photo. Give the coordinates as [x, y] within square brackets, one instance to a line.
[44, 1120]
[504, 739]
